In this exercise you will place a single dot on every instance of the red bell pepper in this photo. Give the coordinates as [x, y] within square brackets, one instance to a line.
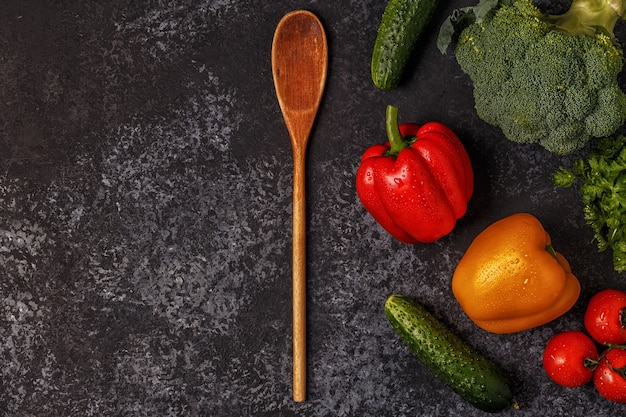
[418, 184]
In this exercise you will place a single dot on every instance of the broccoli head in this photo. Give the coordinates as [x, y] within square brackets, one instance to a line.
[551, 80]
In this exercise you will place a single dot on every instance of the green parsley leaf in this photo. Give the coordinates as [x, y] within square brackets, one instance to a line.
[602, 178]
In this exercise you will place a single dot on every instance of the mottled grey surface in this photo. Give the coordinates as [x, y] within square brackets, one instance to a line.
[145, 214]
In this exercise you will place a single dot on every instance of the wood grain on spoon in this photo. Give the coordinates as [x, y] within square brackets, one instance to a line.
[299, 67]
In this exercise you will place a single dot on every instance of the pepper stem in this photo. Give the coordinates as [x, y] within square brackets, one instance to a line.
[396, 141]
[552, 252]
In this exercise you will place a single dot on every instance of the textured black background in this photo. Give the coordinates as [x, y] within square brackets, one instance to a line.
[145, 219]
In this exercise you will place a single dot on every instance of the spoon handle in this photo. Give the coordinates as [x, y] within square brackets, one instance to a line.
[299, 276]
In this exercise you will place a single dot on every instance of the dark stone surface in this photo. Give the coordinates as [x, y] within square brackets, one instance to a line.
[145, 215]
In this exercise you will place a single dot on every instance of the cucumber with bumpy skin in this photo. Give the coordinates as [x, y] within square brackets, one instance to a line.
[402, 24]
[475, 378]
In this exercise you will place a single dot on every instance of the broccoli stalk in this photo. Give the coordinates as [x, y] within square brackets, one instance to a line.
[588, 16]
[546, 79]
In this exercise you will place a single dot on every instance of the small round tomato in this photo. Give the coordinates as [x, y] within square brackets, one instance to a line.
[609, 377]
[605, 318]
[567, 358]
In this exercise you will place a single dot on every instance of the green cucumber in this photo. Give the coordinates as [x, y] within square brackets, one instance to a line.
[402, 24]
[475, 378]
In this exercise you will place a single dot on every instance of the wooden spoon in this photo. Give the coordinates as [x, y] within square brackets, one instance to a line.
[299, 66]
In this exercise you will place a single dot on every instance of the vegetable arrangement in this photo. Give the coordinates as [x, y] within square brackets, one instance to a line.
[545, 79]
[571, 358]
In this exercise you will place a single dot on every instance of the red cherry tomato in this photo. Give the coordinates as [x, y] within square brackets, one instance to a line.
[609, 377]
[605, 318]
[565, 358]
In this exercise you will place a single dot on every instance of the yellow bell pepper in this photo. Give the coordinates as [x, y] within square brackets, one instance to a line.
[511, 279]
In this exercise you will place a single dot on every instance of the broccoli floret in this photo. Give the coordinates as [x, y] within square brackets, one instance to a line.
[544, 79]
